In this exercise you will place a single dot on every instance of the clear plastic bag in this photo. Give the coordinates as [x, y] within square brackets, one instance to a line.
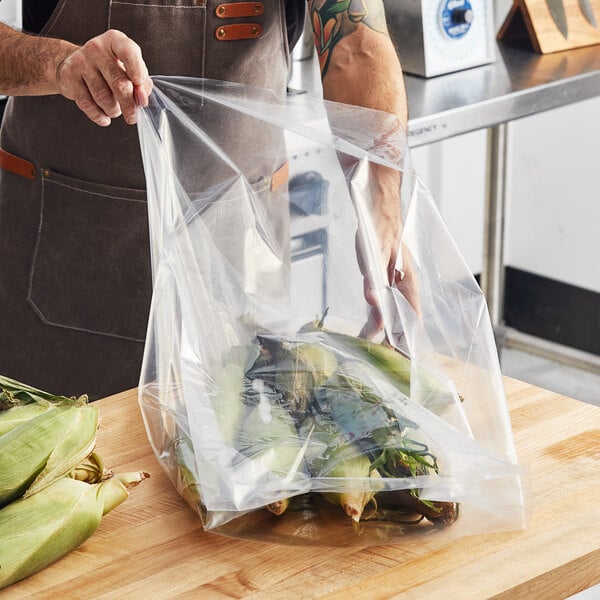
[270, 411]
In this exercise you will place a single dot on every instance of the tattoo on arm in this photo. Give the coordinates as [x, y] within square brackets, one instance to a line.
[333, 20]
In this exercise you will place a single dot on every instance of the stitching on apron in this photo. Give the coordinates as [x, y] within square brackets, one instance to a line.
[203, 67]
[71, 187]
[72, 328]
[32, 271]
[156, 5]
[50, 24]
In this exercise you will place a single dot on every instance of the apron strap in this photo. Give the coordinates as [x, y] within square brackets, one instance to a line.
[16, 165]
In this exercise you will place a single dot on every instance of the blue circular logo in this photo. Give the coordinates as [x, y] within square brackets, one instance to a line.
[456, 17]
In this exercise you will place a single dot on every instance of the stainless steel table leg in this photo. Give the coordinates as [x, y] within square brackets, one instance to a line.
[492, 276]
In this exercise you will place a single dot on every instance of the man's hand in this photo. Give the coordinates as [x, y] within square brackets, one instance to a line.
[395, 262]
[106, 77]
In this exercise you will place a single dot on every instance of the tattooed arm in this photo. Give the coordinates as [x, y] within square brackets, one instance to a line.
[359, 66]
[358, 61]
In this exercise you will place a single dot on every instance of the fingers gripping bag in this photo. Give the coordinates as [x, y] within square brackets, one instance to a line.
[319, 366]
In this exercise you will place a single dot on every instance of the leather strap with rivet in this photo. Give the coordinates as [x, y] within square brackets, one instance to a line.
[239, 9]
[16, 165]
[238, 31]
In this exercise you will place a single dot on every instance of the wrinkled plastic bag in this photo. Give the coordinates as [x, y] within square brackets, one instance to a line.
[271, 413]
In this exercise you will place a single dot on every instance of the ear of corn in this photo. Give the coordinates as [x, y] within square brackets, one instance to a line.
[279, 507]
[17, 393]
[227, 401]
[269, 438]
[91, 470]
[351, 499]
[19, 414]
[321, 361]
[20, 402]
[394, 365]
[44, 448]
[38, 530]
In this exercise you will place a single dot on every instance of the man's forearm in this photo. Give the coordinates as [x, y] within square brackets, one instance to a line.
[359, 64]
[28, 63]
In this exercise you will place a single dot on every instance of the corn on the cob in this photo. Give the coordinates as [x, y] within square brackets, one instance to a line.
[321, 361]
[351, 499]
[91, 470]
[228, 400]
[19, 414]
[394, 365]
[279, 507]
[45, 447]
[38, 530]
[269, 438]
[20, 402]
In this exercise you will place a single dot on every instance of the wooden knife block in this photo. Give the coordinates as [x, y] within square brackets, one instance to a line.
[532, 19]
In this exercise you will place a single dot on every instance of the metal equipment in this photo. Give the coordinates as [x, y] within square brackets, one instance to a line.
[434, 37]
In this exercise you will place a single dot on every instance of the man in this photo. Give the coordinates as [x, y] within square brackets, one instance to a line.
[74, 267]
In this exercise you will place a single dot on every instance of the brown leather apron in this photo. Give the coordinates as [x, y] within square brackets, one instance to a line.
[75, 280]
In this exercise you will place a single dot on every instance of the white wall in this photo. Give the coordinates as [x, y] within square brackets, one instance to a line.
[553, 227]
[454, 171]
[10, 12]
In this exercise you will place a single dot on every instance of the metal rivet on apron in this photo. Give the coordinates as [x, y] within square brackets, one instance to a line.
[46, 173]
[257, 9]
[220, 32]
[255, 31]
[221, 10]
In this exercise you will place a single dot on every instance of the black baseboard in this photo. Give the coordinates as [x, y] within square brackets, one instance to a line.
[552, 310]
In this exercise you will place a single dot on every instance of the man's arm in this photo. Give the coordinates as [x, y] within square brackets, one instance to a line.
[359, 66]
[106, 77]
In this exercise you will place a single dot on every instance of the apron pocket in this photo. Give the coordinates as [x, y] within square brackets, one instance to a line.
[170, 32]
[91, 264]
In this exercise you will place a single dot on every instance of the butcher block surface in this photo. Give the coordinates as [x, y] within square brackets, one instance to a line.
[153, 545]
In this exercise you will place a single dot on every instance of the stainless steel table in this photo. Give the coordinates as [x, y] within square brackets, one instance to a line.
[519, 84]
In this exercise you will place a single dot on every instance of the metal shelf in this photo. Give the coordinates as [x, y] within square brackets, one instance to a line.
[519, 84]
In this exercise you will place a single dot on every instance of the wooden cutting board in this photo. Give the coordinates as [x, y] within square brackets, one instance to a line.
[153, 547]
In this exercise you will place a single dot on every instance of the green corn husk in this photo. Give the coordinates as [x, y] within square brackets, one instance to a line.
[390, 362]
[228, 398]
[44, 448]
[16, 393]
[321, 361]
[268, 436]
[184, 473]
[394, 365]
[19, 414]
[20, 402]
[40, 529]
[293, 369]
[91, 470]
